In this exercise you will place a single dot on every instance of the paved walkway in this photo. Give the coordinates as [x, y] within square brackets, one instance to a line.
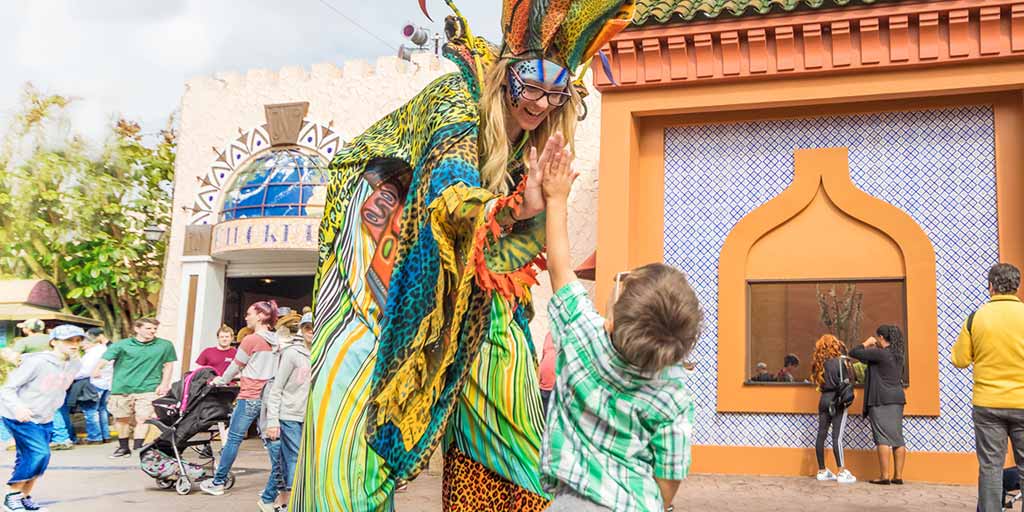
[85, 480]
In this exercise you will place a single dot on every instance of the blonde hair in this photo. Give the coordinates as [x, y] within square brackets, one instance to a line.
[495, 148]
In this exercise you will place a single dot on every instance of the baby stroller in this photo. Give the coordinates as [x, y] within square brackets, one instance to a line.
[192, 414]
[1012, 492]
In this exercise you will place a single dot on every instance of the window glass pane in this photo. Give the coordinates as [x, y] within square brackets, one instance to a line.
[248, 197]
[282, 194]
[243, 213]
[786, 318]
[281, 211]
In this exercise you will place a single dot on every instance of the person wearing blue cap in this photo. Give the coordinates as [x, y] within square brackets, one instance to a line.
[29, 398]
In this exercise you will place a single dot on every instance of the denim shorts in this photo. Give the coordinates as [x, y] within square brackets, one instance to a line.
[32, 441]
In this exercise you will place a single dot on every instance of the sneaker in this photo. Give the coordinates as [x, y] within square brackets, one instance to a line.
[66, 445]
[845, 477]
[209, 487]
[120, 452]
[12, 502]
[825, 475]
[30, 504]
[264, 507]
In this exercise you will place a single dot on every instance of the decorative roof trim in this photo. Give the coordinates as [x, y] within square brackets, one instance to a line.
[938, 32]
[650, 15]
[316, 138]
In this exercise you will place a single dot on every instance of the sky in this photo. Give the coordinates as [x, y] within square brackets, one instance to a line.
[131, 58]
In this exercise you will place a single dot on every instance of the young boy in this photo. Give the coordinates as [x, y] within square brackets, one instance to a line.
[619, 428]
[28, 400]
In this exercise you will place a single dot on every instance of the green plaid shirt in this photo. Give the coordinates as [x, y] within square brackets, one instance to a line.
[611, 429]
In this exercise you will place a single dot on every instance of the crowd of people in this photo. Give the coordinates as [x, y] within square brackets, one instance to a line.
[47, 376]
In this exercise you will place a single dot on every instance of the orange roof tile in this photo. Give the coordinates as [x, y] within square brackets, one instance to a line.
[664, 11]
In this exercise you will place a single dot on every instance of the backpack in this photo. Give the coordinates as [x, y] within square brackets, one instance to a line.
[843, 396]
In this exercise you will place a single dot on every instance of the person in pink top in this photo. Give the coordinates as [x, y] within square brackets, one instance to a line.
[219, 357]
[256, 363]
[547, 370]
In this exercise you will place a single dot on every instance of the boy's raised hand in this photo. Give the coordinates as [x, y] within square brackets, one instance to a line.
[558, 175]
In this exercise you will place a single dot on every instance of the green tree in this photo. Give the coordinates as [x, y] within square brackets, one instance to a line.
[75, 212]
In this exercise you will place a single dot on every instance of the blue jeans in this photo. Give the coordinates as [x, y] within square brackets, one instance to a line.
[275, 482]
[5, 435]
[33, 444]
[291, 436]
[246, 411]
[97, 419]
[63, 430]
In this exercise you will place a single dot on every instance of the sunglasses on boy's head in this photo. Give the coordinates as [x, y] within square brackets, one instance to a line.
[619, 278]
[533, 93]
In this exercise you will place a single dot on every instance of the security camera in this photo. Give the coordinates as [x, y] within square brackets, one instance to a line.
[418, 35]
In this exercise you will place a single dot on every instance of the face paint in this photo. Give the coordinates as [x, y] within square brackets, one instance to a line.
[542, 71]
[515, 90]
[535, 89]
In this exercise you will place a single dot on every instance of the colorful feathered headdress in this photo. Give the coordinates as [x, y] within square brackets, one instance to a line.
[569, 32]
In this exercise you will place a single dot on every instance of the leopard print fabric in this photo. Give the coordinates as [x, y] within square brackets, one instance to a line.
[470, 487]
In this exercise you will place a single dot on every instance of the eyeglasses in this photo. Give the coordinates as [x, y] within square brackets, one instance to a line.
[533, 93]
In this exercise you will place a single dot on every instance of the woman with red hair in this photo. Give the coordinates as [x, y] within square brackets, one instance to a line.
[832, 374]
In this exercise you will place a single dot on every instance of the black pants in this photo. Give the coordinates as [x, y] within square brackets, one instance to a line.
[838, 423]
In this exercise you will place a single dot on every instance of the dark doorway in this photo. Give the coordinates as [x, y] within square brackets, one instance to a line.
[295, 292]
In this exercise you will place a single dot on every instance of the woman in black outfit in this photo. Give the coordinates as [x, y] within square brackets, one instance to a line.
[884, 398]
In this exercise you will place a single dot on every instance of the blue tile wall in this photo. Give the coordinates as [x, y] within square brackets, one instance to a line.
[936, 165]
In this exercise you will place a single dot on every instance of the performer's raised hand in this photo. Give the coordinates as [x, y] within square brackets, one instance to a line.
[533, 195]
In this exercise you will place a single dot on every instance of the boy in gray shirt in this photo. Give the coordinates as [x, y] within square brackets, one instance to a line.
[29, 398]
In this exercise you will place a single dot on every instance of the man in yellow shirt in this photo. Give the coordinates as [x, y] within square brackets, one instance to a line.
[993, 339]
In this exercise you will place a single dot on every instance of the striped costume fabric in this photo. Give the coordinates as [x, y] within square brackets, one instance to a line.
[611, 429]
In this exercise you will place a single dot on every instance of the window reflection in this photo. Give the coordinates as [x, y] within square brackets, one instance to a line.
[786, 317]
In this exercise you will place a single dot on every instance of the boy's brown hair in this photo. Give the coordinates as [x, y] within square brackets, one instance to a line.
[656, 318]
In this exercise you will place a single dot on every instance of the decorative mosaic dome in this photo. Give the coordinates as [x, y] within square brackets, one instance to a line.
[279, 183]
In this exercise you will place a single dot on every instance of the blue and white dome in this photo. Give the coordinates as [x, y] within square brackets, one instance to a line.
[279, 183]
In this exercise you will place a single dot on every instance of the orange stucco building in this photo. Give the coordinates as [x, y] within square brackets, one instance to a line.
[775, 141]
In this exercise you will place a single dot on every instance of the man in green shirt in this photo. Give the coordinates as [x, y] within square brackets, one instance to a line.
[34, 340]
[142, 372]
